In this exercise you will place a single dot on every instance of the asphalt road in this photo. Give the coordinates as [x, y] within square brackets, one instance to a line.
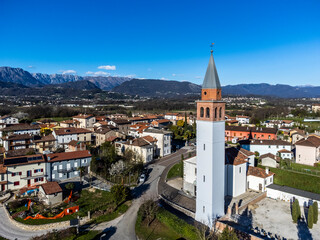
[121, 228]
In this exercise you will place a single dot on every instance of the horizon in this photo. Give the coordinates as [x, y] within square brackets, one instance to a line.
[267, 42]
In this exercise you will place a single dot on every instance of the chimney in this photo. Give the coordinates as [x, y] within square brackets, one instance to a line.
[267, 170]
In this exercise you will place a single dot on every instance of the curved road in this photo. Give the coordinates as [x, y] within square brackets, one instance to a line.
[121, 228]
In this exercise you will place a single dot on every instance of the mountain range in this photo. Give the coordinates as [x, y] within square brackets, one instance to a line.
[16, 81]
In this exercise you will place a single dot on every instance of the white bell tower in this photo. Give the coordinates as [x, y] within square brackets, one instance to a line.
[210, 149]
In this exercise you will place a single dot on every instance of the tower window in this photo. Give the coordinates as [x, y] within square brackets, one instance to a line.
[215, 113]
[204, 147]
[220, 112]
[201, 112]
[205, 93]
[204, 209]
[204, 178]
[207, 112]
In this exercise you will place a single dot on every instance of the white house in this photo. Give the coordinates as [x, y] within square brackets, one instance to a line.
[265, 146]
[190, 176]
[285, 154]
[270, 160]
[171, 116]
[243, 119]
[85, 121]
[258, 179]
[163, 140]
[8, 120]
[308, 151]
[64, 135]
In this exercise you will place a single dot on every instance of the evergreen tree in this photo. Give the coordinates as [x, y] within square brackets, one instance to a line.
[295, 211]
[315, 212]
[298, 208]
[310, 217]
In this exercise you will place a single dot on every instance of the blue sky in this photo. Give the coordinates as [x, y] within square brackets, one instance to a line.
[268, 41]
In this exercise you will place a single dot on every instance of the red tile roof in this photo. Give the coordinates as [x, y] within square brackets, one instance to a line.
[235, 157]
[258, 172]
[284, 151]
[55, 157]
[311, 141]
[270, 155]
[83, 116]
[71, 130]
[51, 188]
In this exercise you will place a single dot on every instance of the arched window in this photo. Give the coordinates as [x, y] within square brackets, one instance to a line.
[201, 112]
[207, 112]
[215, 113]
[220, 112]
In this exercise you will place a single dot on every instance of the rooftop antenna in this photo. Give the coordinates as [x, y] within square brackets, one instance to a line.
[211, 46]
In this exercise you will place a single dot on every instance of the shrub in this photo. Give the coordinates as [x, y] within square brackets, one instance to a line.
[295, 211]
[310, 217]
[315, 212]
[149, 210]
[228, 234]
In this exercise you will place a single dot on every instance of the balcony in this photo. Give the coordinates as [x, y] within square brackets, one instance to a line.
[68, 170]
[33, 176]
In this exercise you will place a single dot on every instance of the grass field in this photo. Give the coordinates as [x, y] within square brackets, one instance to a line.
[296, 180]
[57, 119]
[176, 171]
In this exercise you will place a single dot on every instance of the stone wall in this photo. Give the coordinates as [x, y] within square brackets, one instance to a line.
[179, 208]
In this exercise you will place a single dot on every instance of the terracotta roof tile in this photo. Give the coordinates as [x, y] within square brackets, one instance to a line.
[71, 130]
[258, 172]
[235, 157]
[270, 155]
[55, 157]
[51, 188]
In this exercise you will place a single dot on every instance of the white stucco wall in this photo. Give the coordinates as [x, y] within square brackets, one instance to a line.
[269, 162]
[210, 170]
[253, 182]
[305, 155]
[263, 149]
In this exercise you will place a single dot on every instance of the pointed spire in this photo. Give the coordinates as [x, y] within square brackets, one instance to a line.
[211, 79]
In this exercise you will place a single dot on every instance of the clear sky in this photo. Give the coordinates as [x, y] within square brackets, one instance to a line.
[271, 41]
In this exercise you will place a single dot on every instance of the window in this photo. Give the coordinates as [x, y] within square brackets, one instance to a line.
[204, 209]
[55, 168]
[36, 180]
[255, 136]
[240, 170]
[84, 160]
[16, 183]
[207, 112]
[60, 175]
[75, 164]
[271, 180]
[53, 176]
[195, 171]
[204, 178]
[269, 146]
[269, 137]
[60, 166]
[215, 113]
[201, 112]
[13, 174]
[204, 147]
[220, 112]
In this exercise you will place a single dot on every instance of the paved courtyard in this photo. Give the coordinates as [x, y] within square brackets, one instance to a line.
[274, 216]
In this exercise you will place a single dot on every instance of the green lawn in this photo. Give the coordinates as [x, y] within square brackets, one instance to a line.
[296, 180]
[165, 226]
[176, 171]
[57, 119]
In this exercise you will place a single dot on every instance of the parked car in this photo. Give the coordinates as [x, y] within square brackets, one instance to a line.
[142, 178]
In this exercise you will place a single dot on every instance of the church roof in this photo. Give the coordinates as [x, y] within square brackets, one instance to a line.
[211, 79]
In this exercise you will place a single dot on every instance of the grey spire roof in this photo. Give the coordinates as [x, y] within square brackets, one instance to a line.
[211, 80]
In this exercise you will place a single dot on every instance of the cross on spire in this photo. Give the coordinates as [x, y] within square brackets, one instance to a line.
[211, 46]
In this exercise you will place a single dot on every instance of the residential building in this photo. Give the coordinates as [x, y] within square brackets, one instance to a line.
[243, 133]
[163, 140]
[171, 116]
[297, 135]
[85, 121]
[308, 151]
[137, 129]
[270, 160]
[122, 124]
[285, 154]
[69, 123]
[19, 129]
[65, 165]
[74, 146]
[102, 134]
[316, 107]
[3, 178]
[45, 144]
[24, 171]
[243, 119]
[190, 176]
[143, 148]
[265, 146]
[50, 193]
[65, 135]
[14, 142]
[258, 178]
[6, 119]
[160, 123]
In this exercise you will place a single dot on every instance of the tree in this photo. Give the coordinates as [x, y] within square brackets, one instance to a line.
[228, 234]
[120, 193]
[295, 211]
[149, 210]
[315, 212]
[310, 217]
[70, 186]
[182, 157]
[81, 170]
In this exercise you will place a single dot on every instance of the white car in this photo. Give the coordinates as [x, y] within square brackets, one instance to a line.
[142, 178]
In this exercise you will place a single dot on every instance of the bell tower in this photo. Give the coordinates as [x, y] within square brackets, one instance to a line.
[210, 148]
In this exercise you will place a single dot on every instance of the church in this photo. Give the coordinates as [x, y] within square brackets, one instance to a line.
[217, 171]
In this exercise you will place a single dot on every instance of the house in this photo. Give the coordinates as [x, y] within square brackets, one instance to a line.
[265, 146]
[13, 142]
[144, 148]
[74, 146]
[6, 119]
[3, 178]
[258, 178]
[68, 123]
[19, 129]
[163, 140]
[160, 123]
[122, 124]
[50, 193]
[270, 160]
[315, 107]
[137, 129]
[65, 135]
[285, 154]
[243, 133]
[102, 134]
[190, 176]
[65, 165]
[171, 116]
[45, 144]
[279, 123]
[296, 135]
[308, 151]
[24, 171]
[85, 120]
[243, 119]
